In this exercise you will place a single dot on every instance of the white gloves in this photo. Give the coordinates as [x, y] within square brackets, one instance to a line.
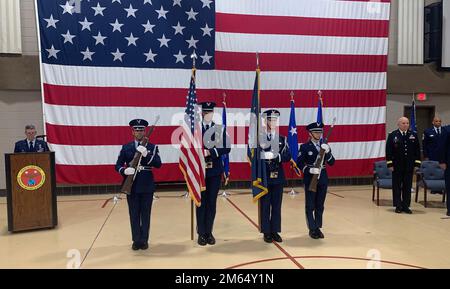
[268, 155]
[142, 150]
[325, 147]
[129, 171]
[314, 171]
[207, 153]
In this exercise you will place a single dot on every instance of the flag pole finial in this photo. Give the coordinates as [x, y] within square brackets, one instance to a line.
[257, 60]
[224, 95]
[194, 57]
[292, 95]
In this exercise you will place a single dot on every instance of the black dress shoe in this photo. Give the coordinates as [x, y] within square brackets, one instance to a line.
[201, 240]
[407, 210]
[135, 246]
[276, 237]
[448, 213]
[144, 246]
[398, 210]
[267, 238]
[321, 235]
[211, 240]
[313, 234]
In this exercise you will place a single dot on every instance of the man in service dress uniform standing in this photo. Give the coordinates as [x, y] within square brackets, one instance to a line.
[402, 155]
[274, 152]
[314, 201]
[216, 144]
[141, 197]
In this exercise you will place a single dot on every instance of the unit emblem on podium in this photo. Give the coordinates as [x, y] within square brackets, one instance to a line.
[31, 178]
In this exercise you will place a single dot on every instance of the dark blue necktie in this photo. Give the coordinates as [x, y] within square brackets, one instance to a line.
[31, 147]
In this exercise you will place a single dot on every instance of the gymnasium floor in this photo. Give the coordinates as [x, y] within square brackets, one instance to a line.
[357, 233]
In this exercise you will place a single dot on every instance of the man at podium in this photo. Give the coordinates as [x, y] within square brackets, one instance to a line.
[30, 144]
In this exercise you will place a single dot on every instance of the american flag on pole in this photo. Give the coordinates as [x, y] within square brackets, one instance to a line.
[104, 62]
[192, 160]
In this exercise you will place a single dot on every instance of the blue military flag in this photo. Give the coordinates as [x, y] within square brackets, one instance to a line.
[292, 137]
[259, 174]
[319, 108]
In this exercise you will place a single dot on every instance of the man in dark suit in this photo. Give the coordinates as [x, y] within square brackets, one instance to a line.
[444, 160]
[30, 144]
[216, 144]
[402, 156]
[275, 151]
[141, 197]
[430, 142]
[314, 201]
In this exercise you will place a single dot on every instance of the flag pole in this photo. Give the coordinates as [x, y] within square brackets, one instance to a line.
[224, 193]
[193, 56]
[257, 131]
[292, 193]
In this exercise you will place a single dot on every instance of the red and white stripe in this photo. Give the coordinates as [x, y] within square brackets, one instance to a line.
[339, 47]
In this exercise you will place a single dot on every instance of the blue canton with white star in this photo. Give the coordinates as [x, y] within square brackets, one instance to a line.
[127, 33]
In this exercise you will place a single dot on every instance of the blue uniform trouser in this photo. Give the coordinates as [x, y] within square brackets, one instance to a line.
[315, 205]
[447, 186]
[206, 213]
[139, 207]
[270, 205]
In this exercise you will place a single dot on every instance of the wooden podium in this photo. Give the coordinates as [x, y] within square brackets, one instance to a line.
[31, 191]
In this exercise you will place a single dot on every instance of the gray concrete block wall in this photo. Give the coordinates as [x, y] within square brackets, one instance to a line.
[17, 109]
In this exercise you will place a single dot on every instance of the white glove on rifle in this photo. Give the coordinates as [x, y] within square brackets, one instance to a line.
[268, 155]
[142, 150]
[325, 147]
[129, 171]
[207, 153]
[314, 171]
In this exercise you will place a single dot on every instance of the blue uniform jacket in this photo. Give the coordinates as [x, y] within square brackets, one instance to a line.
[444, 146]
[274, 166]
[431, 144]
[216, 150]
[307, 156]
[23, 147]
[144, 182]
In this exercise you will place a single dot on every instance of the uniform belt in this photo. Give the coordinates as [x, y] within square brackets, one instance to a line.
[312, 166]
[144, 168]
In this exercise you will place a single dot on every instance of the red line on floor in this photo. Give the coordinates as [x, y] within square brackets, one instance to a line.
[257, 261]
[337, 195]
[275, 243]
[323, 257]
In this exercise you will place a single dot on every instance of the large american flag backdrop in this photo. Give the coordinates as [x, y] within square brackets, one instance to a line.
[104, 62]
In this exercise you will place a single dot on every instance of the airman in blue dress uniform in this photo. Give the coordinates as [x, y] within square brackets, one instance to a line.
[314, 201]
[30, 144]
[141, 197]
[430, 142]
[431, 138]
[274, 152]
[216, 144]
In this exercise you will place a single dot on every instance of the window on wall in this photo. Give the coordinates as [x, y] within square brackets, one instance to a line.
[10, 34]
